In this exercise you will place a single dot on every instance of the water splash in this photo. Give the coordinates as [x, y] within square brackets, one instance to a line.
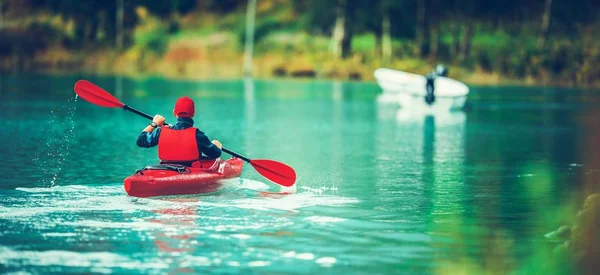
[59, 135]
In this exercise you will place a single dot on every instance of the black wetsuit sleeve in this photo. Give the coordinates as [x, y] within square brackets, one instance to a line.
[206, 147]
[147, 140]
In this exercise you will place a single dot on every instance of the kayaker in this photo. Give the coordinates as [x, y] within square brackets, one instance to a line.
[180, 143]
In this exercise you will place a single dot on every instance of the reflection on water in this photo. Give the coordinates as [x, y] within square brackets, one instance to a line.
[173, 234]
[485, 196]
[119, 86]
[379, 189]
[440, 137]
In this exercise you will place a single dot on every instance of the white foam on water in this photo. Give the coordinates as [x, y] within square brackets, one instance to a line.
[218, 237]
[113, 197]
[221, 218]
[305, 256]
[17, 258]
[101, 270]
[191, 261]
[57, 234]
[75, 199]
[323, 261]
[241, 236]
[323, 219]
[234, 227]
[326, 261]
[259, 263]
[282, 198]
[313, 190]
[76, 189]
[290, 202]
[289, 254]
[320, 190]
[134, 225]
[252, 184]
[79, 198]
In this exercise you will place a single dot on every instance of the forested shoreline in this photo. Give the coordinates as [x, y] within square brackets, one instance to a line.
[550, 42]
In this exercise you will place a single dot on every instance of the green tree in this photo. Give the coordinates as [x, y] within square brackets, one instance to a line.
[94, 21]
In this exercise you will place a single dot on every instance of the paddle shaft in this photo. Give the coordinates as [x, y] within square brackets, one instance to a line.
[140, 113]
[235, 154]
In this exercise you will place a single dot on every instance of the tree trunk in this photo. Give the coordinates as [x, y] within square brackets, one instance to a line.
[386, 43]
[173, 23]
[119, 26]
[545, 23]
[92, 34]
[1, 13]
[465, 44]
[434, 30]
[434, 42]
[338, 34]
[420, 33]
[377, 44]
[249, 45]
[451, 47]
[455, 38]
[1, 26]
[347, 41]
[119, 43]
[80, 27]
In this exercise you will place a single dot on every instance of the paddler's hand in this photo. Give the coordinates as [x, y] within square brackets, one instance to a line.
[217, 143]
[159, 120]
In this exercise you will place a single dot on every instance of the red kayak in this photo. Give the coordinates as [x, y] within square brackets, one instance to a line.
[171, 179]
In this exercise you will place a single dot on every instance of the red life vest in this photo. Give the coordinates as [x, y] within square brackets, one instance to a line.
[178, 145]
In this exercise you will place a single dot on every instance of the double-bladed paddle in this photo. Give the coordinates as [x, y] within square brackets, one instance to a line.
[277, 172]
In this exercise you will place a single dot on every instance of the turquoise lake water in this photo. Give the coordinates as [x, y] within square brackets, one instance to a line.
[379, 189]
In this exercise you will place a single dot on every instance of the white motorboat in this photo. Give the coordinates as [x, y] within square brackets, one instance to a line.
[410, 90]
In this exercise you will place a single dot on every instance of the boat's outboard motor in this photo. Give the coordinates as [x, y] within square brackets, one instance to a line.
[441, 70]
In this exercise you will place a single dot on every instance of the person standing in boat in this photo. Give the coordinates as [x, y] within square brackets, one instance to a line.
[180, 143]
[439, 70]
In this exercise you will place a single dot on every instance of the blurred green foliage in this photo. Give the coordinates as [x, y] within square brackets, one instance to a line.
[491, 39]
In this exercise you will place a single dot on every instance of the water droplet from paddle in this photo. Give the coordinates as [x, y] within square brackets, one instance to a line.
[54, 149]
